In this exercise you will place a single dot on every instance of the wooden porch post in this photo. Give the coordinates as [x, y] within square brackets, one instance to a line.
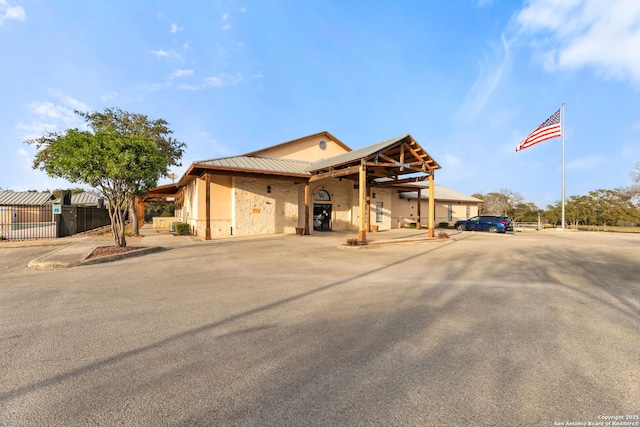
[207, 181]
[419, 224]
[368, 209]
[307, 205]
[140, 209]
[432, 210]
[362, 195]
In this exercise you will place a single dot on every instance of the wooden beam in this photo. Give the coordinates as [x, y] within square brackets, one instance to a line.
[207, 181]
[389, 159]
[362, 195]
[163, 196]
[250, 173]
[139, 203]
[432, 207]
[416, 155]
[368, 208]
[398, 181]
[335, 173]
[402, 157]
[383, 165]
[419, 224]
[307, 205]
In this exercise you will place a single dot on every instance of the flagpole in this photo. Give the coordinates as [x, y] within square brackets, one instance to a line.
[562, 137]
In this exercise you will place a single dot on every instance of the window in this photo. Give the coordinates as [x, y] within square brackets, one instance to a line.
[323, 195]
[450, 213]
[379, 212]
[468, 211]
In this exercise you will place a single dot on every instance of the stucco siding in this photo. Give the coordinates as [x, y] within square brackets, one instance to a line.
[383, 195]
[307, 149]
[405, 211]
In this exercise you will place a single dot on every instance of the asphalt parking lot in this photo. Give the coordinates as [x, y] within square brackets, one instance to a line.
[531, 329]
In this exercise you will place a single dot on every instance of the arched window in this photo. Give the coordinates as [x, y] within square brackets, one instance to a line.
[323, 195]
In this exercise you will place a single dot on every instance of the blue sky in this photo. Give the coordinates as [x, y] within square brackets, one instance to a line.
[468, 79]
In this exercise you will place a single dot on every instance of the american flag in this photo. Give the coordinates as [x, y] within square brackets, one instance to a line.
[550, 128]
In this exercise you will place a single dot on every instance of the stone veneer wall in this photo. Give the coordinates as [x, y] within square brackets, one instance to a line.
[259, 212]
[218, 228]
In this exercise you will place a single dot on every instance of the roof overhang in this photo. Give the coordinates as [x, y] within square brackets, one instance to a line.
[399, 160]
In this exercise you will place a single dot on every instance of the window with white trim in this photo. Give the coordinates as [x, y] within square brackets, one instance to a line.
[379, 212]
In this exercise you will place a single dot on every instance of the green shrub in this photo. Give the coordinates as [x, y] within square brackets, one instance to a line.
[443, 225]
[182, 229]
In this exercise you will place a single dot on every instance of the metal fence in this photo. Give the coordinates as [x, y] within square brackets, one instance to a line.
[39, 222]
[78, 219]
[27, 222]
[521, 226]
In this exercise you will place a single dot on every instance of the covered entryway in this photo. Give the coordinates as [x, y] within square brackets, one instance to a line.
[389, 164]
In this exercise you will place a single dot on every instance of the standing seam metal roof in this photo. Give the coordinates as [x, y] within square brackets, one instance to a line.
[24, 198]
[259, 163]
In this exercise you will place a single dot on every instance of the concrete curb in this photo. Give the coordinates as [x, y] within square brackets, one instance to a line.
[130, 254]
[50, 261]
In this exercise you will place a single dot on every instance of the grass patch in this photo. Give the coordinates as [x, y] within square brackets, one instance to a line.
[609, 228]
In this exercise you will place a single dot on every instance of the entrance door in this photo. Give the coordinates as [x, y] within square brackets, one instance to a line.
[321, 217]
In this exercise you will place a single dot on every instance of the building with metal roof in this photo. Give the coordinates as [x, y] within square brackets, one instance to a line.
[84, 199]
[310, 184]
[25, 198]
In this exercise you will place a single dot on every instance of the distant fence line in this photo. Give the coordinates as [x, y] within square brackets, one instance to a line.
[521, 226]
[39, 222]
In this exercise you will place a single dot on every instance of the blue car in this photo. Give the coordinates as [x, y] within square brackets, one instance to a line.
[490, 223]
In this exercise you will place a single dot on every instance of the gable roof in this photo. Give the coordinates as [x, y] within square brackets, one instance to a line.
[392, 158]
[24, 198]
[368, 152]
[82, 199]
[294, 141]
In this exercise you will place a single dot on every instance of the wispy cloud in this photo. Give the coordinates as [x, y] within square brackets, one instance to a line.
[175, 28]
[160, 53]
[169, 54]
[493, 69]
[604, 35]
[50, 116]
[181, 73]
[8, 12]
[226, 24]
[221, 80]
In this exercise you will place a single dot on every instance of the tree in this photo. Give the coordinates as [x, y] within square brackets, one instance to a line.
[524, 212]
[121, 165]
[138, 125]
[635, 173]
[599, 207]
[503, 202]
[633, 191]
